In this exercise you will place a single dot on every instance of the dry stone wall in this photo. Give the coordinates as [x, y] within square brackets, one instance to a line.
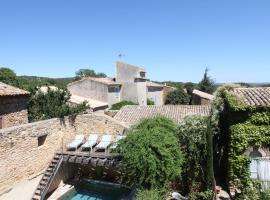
[20, 155]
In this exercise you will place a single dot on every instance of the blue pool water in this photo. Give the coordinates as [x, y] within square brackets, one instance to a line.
[98, 191]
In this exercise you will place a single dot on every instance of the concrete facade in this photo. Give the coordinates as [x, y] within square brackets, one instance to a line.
[132, 79]
[22, 156]
[130, 84]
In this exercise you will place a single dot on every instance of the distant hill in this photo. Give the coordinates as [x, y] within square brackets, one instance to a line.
[59, 82]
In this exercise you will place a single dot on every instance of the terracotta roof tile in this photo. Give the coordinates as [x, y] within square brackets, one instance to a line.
[8, 90]
[132, 114]
[259, 96]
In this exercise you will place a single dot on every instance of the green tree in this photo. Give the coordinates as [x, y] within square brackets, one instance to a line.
[153, 194]
[8, 76]
[119, 105]
[193, 134]
[150, 102]
[178, 96]
[151, 153]
[190, 87]
[89, 73]
[206, 84]
[52, 104]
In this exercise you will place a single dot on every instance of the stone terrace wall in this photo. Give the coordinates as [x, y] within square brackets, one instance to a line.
[20, 155]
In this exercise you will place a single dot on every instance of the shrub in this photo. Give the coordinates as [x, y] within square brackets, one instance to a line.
[52, 104]
[206, 195]
[150, 102]
[153, 194]
[177, 97]
[151, 153]
[192, 135]
[119, 105]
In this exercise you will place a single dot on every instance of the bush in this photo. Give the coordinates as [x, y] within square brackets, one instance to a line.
[119, 105]
[150, 102]
[177, 97]
[192, 135]
[153, 194]
[52, 104]
[151, 153]
[206, 195]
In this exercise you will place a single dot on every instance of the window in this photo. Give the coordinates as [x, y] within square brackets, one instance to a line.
[41, 140]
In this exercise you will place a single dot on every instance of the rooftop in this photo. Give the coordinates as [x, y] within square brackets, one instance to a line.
[203, 94]
[153, 84]
[132, 114]
[106, 80]
[8, 90]
[258, 96]
[93, 103]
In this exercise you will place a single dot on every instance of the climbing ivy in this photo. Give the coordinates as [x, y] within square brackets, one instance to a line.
[240, 126]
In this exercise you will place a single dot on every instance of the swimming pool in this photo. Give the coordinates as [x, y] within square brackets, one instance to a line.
[95, 190]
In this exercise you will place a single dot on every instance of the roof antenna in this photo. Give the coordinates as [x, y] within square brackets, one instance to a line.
[120, 56]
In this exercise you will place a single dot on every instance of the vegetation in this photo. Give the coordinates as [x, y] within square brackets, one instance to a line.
[153, 194]
[177, 97]
[52, 104]
[88, 73]
[151, 153]
[150, 102]
[119, 105]
[206, 84]
[192, 135]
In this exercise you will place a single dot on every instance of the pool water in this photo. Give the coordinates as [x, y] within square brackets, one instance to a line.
[89, 190]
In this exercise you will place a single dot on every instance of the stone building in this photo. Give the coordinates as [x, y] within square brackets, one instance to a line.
[13, 106]
[201, 98]
[130, 84]
[100, 93]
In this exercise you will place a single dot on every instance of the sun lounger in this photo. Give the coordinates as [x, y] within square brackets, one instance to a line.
[92, 140]
[105, 141]
[119, 137]
[76, 142]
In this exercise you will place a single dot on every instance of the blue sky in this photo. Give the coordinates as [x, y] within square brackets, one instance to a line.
[173, 39]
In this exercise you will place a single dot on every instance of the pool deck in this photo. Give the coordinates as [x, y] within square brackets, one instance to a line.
[60, 191]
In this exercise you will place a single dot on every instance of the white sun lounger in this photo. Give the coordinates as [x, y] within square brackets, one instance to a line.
[115, 143]
[105, 141]
[76, 142]
[92, 140]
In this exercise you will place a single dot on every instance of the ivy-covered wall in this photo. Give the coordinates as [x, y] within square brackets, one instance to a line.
[248, 126]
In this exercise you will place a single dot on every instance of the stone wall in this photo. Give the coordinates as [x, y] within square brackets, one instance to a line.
[20, 155]
[13, 111]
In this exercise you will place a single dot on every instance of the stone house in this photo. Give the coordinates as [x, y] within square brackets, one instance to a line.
[130, 84]
[246, 135]
[201, 98]
[13, 106]
[100, 93]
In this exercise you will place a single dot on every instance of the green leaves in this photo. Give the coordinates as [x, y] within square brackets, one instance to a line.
[52, 104]
[151, 154]
[177, 97]
[119, 105]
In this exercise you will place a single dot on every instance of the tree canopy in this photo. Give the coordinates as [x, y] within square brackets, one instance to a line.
[207, 84]
[89, 73]
[178, 96]
[151, 153]
[50, 104]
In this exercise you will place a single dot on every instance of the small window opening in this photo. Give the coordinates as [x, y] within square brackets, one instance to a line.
[41, 140]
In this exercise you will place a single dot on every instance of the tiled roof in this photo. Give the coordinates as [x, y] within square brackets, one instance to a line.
[203, 94]
[106, 80]
[258, 96]
[8, 90]
[132, 114]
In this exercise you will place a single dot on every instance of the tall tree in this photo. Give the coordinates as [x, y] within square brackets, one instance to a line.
[89, 73]
[8, 76]
[207, 84]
